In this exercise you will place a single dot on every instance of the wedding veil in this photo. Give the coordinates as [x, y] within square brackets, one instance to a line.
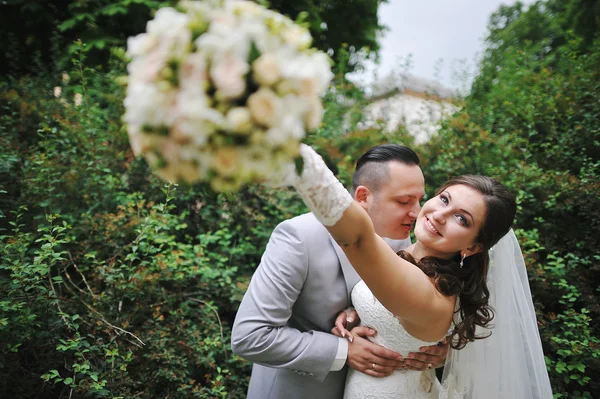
[510, 363]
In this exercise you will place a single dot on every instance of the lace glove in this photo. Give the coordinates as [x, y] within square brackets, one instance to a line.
[320, 190]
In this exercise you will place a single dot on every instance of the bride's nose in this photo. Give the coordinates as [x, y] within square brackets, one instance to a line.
[438, 216]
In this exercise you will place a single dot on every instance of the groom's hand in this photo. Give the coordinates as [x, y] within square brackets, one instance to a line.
[430, 357]
[370, 358]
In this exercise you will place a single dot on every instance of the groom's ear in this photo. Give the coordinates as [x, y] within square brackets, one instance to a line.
[361, 195]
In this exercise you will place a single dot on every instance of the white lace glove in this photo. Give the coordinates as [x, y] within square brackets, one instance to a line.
[320, 190]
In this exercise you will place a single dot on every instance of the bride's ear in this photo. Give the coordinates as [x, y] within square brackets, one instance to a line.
[473, 249]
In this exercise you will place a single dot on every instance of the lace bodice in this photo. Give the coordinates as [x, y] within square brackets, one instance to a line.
[390, 334]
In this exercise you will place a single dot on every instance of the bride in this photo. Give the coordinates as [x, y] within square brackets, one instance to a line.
[441, 286]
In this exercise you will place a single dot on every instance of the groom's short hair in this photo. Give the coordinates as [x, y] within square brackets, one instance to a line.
[372, 168]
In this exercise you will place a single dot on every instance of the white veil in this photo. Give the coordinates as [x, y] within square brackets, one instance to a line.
[510, 363]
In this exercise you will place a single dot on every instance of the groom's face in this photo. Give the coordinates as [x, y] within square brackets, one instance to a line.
[394, 207]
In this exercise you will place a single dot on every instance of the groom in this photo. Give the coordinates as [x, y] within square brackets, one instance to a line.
[304, 281]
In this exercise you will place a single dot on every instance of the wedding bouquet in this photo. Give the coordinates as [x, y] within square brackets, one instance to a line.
[222, 91]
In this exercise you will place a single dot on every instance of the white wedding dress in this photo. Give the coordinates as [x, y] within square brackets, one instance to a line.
[402, 384]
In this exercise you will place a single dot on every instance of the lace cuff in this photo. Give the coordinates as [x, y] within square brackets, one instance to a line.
[320, 190]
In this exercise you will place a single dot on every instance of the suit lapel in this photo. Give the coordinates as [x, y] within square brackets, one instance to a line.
[350, 275]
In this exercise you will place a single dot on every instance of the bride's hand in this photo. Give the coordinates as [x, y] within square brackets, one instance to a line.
[346, 320]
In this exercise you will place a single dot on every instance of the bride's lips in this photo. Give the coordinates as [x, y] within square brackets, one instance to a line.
[430, 227]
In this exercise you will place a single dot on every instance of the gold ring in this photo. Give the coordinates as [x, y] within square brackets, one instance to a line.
[429, 366]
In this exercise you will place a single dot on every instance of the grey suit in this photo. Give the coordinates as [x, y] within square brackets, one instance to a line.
[284, 321]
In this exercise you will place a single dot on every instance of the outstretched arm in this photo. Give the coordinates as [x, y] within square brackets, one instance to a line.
[399, 285]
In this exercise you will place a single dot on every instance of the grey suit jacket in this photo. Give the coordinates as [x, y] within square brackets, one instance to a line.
[284, 321]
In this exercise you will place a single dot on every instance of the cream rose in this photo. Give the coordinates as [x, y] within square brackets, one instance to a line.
[228, 74]
[264, 106]
[266, 70]
[225, 161]
[239, 120]
[314, 115]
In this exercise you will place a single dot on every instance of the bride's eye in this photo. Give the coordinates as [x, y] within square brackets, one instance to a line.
[462, 220]
[444, 199]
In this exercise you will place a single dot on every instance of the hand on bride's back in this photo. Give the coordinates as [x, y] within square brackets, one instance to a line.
[370, 358]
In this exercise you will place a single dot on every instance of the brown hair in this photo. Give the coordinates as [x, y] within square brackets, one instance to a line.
[469, 281]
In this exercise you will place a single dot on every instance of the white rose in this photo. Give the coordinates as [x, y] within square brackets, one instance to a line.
[239, 120]
[228, 74]
[140, 44]
[193, 73]
[264, 106]
[308, 75]
[147, 68]
[57, 91]
[245, 8]
[314, 115]
[146, 104]
[261, 37]
[266, 70]
[297, 36]
[166, 21]
[291, 126]
[220, 40]
[222, 23]
[275, 137]
[322, 71]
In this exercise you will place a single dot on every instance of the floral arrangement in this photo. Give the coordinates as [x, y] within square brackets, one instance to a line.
[223, 92]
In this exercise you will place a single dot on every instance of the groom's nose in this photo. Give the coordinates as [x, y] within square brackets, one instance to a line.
[414, 211]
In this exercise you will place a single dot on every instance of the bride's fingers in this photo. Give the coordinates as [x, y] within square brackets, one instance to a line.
[342, 332]
[340, 324]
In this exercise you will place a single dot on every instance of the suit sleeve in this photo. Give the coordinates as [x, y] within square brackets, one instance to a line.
[260, 331]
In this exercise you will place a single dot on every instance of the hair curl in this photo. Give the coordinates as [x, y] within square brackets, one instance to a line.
[469, 281]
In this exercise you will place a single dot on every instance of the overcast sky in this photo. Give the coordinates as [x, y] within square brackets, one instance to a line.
[430, 30]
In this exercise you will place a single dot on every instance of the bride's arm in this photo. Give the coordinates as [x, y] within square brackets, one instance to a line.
[398, 284]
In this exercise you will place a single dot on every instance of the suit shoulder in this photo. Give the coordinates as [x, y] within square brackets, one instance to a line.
[306, 224]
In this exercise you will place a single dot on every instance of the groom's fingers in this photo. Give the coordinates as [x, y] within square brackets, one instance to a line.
[371, 359]
[376, 374]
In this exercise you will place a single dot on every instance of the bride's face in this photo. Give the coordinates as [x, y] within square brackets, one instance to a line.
[450, 222]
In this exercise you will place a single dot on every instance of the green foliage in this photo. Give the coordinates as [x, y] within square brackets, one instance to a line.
[45, 39]
[111, 284]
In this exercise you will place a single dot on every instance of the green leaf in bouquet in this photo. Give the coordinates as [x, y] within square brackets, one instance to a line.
[299, 162]
[254, 53]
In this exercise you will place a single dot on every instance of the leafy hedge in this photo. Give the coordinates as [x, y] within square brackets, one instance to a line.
[113, 284]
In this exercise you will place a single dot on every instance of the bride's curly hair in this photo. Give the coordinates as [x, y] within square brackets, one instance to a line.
[469, 282]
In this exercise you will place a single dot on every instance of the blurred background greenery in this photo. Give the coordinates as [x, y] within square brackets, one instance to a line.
[115, 285]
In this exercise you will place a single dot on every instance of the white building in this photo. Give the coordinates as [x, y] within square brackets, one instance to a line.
[418, 104]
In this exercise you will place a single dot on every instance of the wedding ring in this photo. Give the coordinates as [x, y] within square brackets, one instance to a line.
[429, 366]
[373, 366]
